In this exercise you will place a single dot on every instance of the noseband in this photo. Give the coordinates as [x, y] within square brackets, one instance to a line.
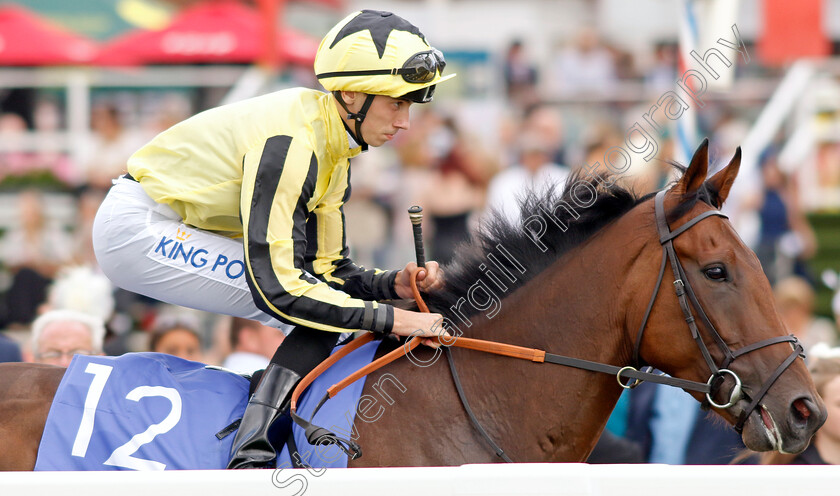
[688, 301]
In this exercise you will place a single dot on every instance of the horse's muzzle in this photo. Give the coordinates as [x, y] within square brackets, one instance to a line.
[788, 429]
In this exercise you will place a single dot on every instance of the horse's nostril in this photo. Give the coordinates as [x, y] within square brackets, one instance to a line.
[801, 412]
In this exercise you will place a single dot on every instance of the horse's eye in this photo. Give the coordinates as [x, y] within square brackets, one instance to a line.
[715, 273]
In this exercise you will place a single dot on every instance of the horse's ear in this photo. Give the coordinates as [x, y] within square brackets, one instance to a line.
[720, 184]
[693, 178]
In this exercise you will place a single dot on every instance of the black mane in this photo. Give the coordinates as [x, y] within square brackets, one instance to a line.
[482, 260]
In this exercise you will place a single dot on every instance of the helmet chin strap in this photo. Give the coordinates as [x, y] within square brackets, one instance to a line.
[359, 116]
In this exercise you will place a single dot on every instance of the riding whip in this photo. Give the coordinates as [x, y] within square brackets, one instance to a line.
[415, 213]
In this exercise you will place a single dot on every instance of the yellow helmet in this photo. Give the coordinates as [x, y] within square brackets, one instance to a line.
[379, 53]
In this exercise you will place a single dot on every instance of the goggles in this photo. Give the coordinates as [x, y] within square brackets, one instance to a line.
[418, 69]
[422, 67]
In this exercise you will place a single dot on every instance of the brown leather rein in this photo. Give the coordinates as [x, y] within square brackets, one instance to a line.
[460, 342]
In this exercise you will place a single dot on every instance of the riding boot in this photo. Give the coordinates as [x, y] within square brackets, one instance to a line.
[252, 446]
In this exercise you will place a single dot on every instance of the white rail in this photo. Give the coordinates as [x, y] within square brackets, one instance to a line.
[529, 479]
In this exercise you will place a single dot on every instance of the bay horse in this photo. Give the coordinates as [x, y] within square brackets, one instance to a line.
[578, 278]
[586, 286]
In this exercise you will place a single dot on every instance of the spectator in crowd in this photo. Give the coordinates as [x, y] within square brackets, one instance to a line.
[58, 335]
[32, 250]
[795, 300]
[46, 164]
[253, 344]
[786, 239]
[544, 121]
[597, 140]
[535, 171]
[662, 73]
[14, 159]
[109, 147]
[586, 66]
[457, 189]
[520, 75]
[50, 157]
[177, 336]
[9, 350]
[415, 160]
[825, 445]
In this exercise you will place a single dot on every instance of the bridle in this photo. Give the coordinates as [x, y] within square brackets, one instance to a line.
[687, 299]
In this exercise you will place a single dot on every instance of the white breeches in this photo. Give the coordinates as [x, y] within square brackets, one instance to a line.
[144, 247]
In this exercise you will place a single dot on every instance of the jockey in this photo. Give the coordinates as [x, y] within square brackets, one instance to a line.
[239, 210]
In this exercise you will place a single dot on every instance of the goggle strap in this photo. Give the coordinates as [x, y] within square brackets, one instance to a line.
[372, 72]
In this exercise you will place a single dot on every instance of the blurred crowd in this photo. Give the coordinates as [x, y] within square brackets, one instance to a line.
[55, 303]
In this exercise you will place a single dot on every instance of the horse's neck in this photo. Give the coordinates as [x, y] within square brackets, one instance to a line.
[574, 308]
[579, 304]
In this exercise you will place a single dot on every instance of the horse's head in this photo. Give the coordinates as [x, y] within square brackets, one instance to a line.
[722, 294]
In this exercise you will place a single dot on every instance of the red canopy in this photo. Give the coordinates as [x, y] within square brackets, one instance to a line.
[26, 39]
[793, 30]
[329, 3]
[215, 32]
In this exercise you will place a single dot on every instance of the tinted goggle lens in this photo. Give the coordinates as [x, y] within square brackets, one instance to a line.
[423, 95]
[421, 67]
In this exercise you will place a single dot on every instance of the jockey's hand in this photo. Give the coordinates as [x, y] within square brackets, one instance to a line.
[428, 325]
[429, 279]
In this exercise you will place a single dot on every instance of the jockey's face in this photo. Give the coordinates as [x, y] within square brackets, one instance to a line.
[384, 119]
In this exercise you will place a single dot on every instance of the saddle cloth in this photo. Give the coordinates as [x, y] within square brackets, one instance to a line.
[338, 414]
[141, 411]
[151, 411]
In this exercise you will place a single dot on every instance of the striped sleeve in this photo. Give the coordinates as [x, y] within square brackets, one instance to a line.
[278, 181]
[332, 261]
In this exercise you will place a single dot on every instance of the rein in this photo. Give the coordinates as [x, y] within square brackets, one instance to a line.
[687, 299]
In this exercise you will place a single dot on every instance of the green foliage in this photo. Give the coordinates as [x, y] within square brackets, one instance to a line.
[40, 179]
[827, 229]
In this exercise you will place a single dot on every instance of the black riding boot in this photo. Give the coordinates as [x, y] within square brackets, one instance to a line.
[252, 446]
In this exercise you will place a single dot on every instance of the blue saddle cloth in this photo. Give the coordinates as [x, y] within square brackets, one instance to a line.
[151, 411]
[141, 411]
[338, 414]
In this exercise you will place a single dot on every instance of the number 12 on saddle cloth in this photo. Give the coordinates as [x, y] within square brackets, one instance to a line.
[141, 411]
